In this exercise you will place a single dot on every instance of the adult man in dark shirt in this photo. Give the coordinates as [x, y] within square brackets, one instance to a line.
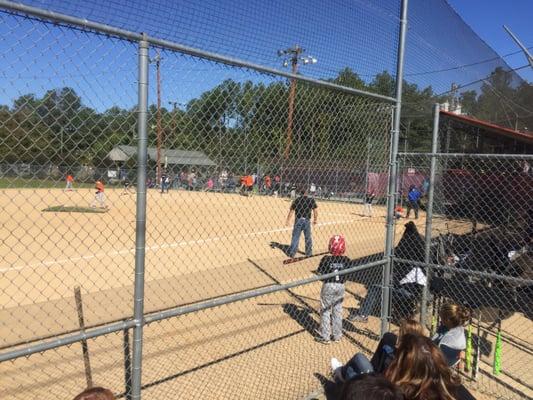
[302, 208]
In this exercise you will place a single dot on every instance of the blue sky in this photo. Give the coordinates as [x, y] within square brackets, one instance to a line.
[486, 19]
[360, 34]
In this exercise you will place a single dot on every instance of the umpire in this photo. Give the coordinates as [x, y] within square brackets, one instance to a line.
[302, 207]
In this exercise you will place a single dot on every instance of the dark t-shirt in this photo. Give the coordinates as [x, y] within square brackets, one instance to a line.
[369, 198]
[330, 264]
[302, 206]
[384, 354]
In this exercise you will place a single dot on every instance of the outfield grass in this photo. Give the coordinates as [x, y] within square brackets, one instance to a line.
[28, 183]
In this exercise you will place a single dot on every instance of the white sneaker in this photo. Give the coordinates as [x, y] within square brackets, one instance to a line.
[335, 363]
[336, 368]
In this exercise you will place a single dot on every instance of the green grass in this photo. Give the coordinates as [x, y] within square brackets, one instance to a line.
[28, 183]
[76, 209]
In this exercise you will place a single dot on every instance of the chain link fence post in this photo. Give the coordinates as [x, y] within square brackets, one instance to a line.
[429, 210]
[140, 229]
[389, 240]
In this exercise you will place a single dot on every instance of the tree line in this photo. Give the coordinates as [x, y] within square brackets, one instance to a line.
[241, 124]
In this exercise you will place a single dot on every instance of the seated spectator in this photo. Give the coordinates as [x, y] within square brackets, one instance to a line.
[408, 280]
[450, 335]
[420, 370]
[95, 393]
[386, 348]
[383, 355]
[370, 387]
[405, 293]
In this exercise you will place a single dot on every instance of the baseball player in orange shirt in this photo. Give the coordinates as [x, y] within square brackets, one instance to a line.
[70, 180]
[99, 196]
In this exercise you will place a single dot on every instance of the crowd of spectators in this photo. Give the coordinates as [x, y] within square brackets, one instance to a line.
[226, 181]
[410, 365]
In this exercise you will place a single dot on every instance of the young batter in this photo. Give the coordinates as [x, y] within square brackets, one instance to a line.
[332, 293]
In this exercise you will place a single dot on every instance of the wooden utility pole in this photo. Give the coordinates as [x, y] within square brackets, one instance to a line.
[293, 56]
[292, 94]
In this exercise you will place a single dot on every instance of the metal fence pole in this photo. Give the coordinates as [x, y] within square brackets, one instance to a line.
[367, 167]
[140, 230]
[389, 241]
[127, 364]
[429, 209]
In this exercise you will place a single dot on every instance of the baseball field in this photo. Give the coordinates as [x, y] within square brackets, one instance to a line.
[199, 246]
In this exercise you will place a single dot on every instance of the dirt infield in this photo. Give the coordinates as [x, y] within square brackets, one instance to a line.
[201, 239]
[199, 246]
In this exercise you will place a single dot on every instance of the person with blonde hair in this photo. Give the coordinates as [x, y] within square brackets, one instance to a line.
[420, 370]
[384, 353]
[411, 326]
[95, 393]
[386, 348]
[450, 336]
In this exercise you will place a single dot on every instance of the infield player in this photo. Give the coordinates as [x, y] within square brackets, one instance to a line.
[165, 183]
[302, 208]
[99, 195]
[247, 185]
[127, 187]
[70, 181]
[332, 293]
[367, 207]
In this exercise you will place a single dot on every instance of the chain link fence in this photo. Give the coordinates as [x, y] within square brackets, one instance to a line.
[132, 168]
[473, 248]
[220, 309]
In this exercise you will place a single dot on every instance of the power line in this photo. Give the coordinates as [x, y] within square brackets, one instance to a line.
[466, 65]
[502, 98]
[478, 81]
[501, 95]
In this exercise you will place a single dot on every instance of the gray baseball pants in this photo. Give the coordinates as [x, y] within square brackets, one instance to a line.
[331, 297]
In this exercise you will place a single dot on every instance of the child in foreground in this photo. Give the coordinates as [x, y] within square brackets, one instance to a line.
[332, 293]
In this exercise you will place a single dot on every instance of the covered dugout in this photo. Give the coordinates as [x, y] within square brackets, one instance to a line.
[173, 160]
[472, 184]
[465, 134]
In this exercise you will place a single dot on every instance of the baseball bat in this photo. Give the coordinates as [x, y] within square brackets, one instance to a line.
[296, 259]
[434, 312]
[468, 351]
[436, 319]
[497, 365]
[478, 347]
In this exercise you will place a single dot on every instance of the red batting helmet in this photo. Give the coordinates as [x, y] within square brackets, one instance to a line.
[337, 245]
